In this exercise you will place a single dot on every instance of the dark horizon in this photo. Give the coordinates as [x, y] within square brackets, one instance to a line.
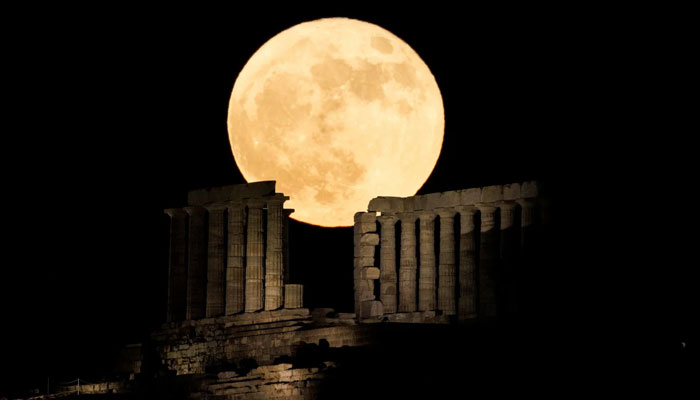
[137, 118]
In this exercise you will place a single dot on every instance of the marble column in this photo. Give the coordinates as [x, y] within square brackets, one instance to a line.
[177, 268]
[274, 255]
[196, 264]
[216, 261]
[508, 253]
[447, 273]
[285, 244]
[488, 263]
[387, 263]
[466, 303]
[407, 263]
[235, 268]
[427, 274]
[364, 273]
[255, 256]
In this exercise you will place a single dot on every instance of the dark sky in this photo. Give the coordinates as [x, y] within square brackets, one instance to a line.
[124, 111]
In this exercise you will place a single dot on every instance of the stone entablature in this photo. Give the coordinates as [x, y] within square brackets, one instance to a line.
[454, 270]
[229, 253]
[455, 198]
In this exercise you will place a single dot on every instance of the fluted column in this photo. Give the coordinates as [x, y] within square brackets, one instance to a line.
[177, 266]
[274, 255]
[197, 264]
[285, 244]
[427, 276]
[387, 263]
[508, 253]
[255, 245]
[447, 273]
[466, 303]
[527, 224]
[235, 268]
[216, 262]
[488, 262]
[407, 267]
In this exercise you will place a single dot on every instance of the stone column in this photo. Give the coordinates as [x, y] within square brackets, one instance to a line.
[447, 274]
[285, 244]
[216, 262]
[407, 267]
[365, 274]
[466, 303]
[235, 268]
[527, 221]
[387, 263]
[255, 245]
[177, 268]
[508, 252]
[274, 255]
[196, 264]
[488, 263]
[427, 276]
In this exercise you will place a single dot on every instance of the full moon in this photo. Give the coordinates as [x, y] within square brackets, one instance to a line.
[337, 111]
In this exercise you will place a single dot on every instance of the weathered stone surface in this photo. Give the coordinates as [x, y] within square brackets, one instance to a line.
[371, 308]
[367, 250]
[466, 300]
[528, 189]
[371, 239]
[370, 273]
[488, 274]
[274, 256]
[511, 191]
[386, 204]
[490, 194]
[427, 274]
[468, 197]
[507, 214]
[216, 267]
[235, 269]
[387, 261]
[407, 263]
[365, 217]
[447, 273]
[196, 264]
[177, 269]
[230, 193]
[366, 261]
[293, 296]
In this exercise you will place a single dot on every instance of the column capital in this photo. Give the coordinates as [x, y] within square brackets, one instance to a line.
[194, 210]
[426, 215]
[277, 199]
[446, 212]
[486, 208]
[506, 205]
[216, 207]
[468, 210]
[387, 218]
[255, 203]
[526, 203]
[407, 217]
[175, 212]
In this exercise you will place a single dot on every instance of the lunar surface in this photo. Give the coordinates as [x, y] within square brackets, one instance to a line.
[337, 111]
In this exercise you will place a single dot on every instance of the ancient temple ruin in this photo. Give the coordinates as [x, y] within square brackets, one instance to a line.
[229, 253]
[431, 265]
[456, 271]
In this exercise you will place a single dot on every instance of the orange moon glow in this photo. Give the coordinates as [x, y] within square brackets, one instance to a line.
[337, 111]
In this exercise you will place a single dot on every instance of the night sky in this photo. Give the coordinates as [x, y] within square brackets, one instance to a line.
[124, 111]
